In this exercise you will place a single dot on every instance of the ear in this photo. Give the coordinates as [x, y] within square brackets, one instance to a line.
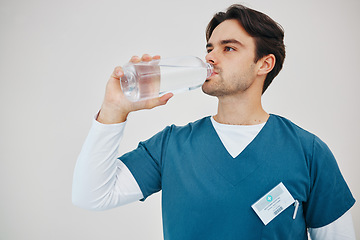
[267, 64]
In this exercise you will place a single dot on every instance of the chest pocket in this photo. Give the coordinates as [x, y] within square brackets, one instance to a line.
[285, 227]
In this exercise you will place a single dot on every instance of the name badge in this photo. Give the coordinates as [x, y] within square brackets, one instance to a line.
[273, 203]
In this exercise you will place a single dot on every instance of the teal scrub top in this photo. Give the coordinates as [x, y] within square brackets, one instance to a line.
[207, 194]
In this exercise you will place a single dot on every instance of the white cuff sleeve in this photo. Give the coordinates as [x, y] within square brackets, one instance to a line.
[341, 229]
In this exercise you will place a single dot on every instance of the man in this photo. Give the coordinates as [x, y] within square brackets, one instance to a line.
[241, 174]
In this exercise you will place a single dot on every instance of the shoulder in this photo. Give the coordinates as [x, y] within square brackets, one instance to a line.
[176, 131]
[309, 141]
[290, 127]
[189, 128]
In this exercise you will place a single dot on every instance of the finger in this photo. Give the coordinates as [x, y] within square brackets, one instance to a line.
[135, 59]
[117, 73]
[146, 58]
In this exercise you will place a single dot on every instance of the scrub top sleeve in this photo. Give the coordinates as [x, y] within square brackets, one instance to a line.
[330, 197]
[145, 162]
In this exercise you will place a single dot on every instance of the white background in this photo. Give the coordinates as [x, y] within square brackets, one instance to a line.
[56, 57]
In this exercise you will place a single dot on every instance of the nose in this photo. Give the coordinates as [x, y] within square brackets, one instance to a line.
[211, 58]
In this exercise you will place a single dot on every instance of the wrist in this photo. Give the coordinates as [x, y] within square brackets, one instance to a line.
[110, 115]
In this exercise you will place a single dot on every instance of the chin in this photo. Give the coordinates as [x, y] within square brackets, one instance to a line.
[207, 90]
[204, 87]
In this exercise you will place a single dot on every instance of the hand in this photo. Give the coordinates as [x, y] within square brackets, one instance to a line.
[116, 106]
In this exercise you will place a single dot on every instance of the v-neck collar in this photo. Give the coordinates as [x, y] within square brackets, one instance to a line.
[240, 135]
[238, 168]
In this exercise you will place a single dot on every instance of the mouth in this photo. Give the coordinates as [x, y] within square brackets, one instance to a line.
[213, 74]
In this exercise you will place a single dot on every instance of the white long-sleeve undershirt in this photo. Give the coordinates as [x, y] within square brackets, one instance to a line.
[102, 181]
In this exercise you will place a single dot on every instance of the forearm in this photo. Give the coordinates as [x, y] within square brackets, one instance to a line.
[101, 181]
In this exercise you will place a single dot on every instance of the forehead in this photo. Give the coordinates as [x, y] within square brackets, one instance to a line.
[230, 29]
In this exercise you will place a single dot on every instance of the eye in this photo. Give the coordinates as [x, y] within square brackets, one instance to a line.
[229, 49]
[208, 50]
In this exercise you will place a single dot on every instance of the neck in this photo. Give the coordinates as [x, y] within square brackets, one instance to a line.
[241, 110]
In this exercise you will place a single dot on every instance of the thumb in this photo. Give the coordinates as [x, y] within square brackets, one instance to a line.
[158, 101]
[165, 98]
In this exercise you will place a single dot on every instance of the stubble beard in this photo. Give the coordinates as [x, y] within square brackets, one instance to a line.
[219, 87]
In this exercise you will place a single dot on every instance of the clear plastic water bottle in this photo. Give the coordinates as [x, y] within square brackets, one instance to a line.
[152, 79]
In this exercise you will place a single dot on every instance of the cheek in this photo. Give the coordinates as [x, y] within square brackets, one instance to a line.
[234, 75]
[240, 77]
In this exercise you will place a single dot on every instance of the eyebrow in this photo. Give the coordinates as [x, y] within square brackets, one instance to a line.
[224, 42]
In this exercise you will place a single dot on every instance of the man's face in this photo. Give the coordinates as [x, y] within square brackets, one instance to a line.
[232, 52]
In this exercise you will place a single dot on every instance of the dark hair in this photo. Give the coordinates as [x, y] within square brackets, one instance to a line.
[268, 34]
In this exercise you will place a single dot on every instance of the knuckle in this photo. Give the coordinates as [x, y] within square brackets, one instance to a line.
[118, 68]
[135, 59]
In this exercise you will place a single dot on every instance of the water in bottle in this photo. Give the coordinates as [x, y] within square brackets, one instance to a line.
[152, 79]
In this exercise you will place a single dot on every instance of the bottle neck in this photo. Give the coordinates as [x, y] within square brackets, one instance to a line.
[210, 69]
